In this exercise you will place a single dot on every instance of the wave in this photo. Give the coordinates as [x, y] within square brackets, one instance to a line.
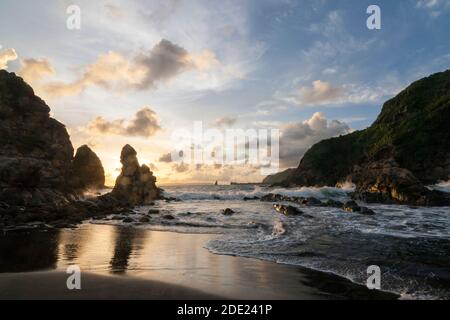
[443, 186]
[214, 193]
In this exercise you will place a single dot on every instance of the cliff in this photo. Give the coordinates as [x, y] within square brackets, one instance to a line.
[406, 148]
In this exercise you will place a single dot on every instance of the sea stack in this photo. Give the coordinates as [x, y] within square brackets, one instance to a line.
[136, 184]
[87, 170]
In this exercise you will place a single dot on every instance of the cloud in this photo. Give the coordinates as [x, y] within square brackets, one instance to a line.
[145, 124]
[225, 121]
[434, 7]
[146, 70]
[6, 56]
[297, 138]
[167, 157]
[180, 167]
[320, 92]
[33, 70]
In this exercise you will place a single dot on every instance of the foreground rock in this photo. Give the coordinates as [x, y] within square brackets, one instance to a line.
[136, 184]
[35, 150]
[392, 161]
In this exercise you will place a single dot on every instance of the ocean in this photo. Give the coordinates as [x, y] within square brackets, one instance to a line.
[411, 245]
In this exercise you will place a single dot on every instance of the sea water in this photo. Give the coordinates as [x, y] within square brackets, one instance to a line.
[411, 245]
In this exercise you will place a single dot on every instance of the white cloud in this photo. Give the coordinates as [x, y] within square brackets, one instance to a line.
[297, 138]
[146, 70]
[6, 56]
[32, 70]
[321, 92]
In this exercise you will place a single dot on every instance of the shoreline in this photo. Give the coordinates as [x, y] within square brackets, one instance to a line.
[165, 265]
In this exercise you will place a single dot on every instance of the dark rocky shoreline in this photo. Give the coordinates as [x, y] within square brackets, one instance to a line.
[42, 182]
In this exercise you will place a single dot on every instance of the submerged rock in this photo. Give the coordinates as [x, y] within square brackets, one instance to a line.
[227, 212]
[287, 210]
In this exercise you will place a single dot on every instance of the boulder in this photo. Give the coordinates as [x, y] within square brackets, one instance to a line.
[287, 210]
[227, 212]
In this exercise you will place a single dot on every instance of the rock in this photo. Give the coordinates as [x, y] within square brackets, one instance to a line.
[367, 211]
[153, 211]
[227, 212]
[128, 220]
[333, 203]
[144, 219]
[168, 217]
[272, 197]
[383, 181]
[117, 218]
[311, 201]
[87, 170]
[287, 210]
[251, 198]
[351, 206]
[35, 149]
[136, 184]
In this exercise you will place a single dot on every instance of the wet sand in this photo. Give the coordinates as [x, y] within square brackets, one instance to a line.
[135, 263]
[52, 286]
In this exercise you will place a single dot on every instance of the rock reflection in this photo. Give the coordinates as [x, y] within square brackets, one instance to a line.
[128, 241]
[22, 251]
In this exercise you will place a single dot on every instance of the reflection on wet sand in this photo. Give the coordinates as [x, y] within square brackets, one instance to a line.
[127, 243]
[22, 251]
[168, 257]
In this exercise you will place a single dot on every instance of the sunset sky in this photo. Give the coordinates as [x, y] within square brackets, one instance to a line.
[137, 70]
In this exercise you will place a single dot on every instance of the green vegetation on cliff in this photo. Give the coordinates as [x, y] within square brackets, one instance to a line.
[416, 123]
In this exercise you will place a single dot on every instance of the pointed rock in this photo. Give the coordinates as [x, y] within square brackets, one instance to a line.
[136, 184]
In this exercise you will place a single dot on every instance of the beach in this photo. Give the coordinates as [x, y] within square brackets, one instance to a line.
[120, 262]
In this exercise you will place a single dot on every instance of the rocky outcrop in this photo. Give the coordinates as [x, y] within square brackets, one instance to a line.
[136, 184]
[407, 148]
[35, 150]
[383, 180]
[87, 170]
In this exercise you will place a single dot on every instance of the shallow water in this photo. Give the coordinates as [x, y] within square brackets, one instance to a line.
[411, 245]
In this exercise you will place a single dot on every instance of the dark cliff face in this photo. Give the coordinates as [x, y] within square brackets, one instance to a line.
[36, 156]
[414, 129]
[87, 170]
[35, 150]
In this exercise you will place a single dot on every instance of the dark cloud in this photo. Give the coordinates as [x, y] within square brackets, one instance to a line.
[167, 157]
[225, 121]
[144, 124]
[162, 63]
[181, 167]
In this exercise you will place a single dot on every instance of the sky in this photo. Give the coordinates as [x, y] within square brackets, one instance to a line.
[137, 71]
